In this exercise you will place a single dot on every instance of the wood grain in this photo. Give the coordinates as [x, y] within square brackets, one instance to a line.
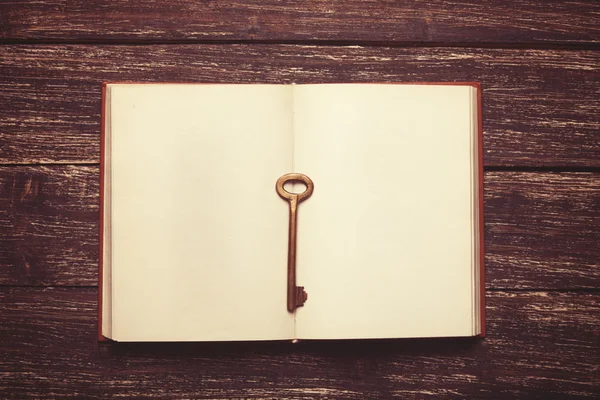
[542, 229]
[49, 225]
[540, 107]
[539, 344]
[435, 21]
[539, 65]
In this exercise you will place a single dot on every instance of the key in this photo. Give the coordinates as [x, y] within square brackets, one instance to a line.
[296, 296]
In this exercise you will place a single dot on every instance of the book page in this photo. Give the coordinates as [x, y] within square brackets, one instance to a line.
[384, 243]
[199, 235]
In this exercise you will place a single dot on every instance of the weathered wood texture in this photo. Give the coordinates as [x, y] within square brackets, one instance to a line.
[472, 21]
[538, 343]
[49, 225]
[540, 107]
[542, 229]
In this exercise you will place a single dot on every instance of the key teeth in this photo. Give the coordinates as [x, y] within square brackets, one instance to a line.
[301, 296]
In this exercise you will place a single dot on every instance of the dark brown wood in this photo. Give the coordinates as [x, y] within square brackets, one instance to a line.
[539, 65]
[542, 229]
[540, 107]
[539, 343]
[434, 21]
[49, 225]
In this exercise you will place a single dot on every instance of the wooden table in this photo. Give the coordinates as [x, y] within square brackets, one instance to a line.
[539, 64]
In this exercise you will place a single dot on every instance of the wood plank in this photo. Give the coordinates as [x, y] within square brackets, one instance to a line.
[49, 225]
[542, 229]
[540, 106]
[434, 21]
[538, 344]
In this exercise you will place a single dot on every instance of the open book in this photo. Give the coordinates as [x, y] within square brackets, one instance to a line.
[194, 237]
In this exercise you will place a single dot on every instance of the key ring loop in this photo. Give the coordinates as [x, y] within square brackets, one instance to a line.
[294, 177]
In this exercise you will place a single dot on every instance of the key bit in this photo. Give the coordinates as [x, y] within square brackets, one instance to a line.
[301, 296]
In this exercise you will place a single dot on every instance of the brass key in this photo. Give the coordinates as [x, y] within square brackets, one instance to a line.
[296, 296]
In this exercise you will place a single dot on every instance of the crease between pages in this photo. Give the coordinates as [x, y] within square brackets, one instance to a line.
[293, 128]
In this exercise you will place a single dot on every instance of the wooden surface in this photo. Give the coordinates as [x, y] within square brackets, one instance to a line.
[539, 342]
[434, 21]
[540, 106]
[539, 64]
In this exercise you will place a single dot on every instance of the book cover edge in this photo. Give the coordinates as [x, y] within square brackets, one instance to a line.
[477, 85]
[101, 338]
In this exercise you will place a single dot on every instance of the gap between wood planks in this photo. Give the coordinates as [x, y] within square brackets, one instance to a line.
[313, 42]
[490, 168]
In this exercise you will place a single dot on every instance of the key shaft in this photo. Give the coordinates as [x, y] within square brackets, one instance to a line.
[296, 295]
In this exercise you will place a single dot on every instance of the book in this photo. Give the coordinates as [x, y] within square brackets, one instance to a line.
[194, 236]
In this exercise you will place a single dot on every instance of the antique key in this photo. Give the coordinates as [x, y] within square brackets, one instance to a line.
[296, 296]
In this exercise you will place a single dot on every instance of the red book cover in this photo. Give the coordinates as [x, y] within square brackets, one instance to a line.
[480, 210]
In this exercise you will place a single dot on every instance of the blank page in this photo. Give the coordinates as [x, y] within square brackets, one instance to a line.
[384, 243]
[198, 232]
